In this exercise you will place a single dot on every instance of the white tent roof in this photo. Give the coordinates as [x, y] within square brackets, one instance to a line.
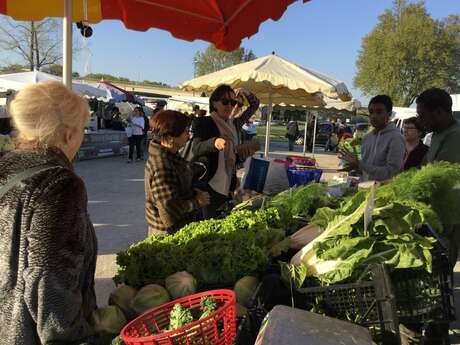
[401, 113]
[285, 81]
[17, 81]
[186, 103]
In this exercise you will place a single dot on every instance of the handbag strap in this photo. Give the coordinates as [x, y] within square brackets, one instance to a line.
[15, 179]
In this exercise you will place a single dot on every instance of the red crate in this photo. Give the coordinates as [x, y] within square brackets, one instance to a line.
[219, 328]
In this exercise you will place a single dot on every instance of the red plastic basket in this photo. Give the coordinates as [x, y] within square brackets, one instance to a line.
[219, 328]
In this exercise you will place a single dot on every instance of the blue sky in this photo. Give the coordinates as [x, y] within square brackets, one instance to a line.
[324, 35]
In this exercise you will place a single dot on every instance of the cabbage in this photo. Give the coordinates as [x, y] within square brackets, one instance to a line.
[241, 311]
[150, 296]
[122, 297]
[244, 289]
[109, 319]
[180, 284]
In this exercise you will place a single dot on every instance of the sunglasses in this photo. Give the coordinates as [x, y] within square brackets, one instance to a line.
[231, 101]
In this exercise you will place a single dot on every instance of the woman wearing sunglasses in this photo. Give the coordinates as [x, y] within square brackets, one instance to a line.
[215, 139]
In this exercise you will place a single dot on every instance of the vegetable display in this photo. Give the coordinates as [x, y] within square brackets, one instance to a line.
[215, 252]
[344, 248]
[180, 284]
[301, 202]
[148, 297]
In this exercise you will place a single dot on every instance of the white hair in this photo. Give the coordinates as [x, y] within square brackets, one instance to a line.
[42, 112]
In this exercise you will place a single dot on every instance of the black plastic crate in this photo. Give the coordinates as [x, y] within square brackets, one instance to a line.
[369, 303]
[379, 300]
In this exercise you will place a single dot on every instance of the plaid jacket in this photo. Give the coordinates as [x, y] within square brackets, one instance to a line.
[170, 198]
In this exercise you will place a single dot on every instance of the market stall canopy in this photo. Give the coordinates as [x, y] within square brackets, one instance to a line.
[223, 23]
[275, 79]
[337, 104]
[182, 103]
[117, 94]
[17, 81]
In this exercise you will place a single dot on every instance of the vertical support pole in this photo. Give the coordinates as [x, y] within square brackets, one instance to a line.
[314, 136]
[268, 130]
[305, 134]
[67, 44]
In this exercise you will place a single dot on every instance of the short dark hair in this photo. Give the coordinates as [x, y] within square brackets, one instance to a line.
[383, 99]
[169, 123]
[416, 122]
[435, 98]
[217, 94]
[196, 107]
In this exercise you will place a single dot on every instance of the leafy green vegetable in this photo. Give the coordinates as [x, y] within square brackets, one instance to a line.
[437, 185]
[208, 306]
[343, 250]
[179, 317]
[213, 251]
[293, 274]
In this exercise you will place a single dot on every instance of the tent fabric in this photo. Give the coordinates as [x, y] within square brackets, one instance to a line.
[17, 81]
[221, 22]
[287, 82]
[117, 94]
[455, 102]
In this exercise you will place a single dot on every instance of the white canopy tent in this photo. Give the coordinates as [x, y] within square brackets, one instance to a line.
[274, 80]
[17, 81]
[186, 103]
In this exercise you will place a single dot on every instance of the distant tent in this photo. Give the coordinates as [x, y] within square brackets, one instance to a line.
[117, 94]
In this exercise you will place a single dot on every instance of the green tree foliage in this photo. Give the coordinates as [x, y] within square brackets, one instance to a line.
[108, 77]
[54, 69]
[409, 51]
[13, 68]
[213, 59]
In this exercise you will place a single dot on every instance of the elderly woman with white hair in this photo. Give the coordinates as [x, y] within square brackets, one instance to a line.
[47, 242]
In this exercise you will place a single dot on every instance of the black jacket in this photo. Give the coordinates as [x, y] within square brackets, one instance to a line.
[47, 253]
[205, 132]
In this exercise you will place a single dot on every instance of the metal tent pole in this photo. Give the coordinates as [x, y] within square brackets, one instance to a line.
[305, 134]
[314, 136]
[268, 130]
[67, 44]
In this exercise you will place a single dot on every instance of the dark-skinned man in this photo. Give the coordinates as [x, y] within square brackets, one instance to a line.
[434, 108]
[383, 149]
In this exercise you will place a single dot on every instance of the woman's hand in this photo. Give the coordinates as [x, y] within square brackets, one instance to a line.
[351, 158]
[219, 144]
[202, 198]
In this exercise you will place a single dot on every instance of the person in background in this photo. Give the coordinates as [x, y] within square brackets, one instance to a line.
[48, 244]
[434, 107]
[144, 132]
[136, 122]
[171, 201]
[292, 132]
[249, 130]
[160, 105]
[117, 121]
[202, 113]
[196, 111]
[382, 149]
[215, 140]
[415, 149]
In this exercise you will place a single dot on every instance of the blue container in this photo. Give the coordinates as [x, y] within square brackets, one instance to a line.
[297, 177]
[257, 174]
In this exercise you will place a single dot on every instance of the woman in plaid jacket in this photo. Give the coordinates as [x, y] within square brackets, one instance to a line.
[171, 201]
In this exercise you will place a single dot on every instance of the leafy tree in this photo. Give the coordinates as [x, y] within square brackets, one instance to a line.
[407, 52]
[213, 59]
[37, 44]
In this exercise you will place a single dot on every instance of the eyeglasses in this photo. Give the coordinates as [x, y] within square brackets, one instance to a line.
[409, 128]
[231, 101]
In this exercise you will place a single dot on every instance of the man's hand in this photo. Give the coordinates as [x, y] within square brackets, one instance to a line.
[350, 158]
[219, 144]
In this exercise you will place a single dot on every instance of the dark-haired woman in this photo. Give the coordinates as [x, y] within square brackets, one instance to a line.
[171, 201]
[215, 139]
[415, 149]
